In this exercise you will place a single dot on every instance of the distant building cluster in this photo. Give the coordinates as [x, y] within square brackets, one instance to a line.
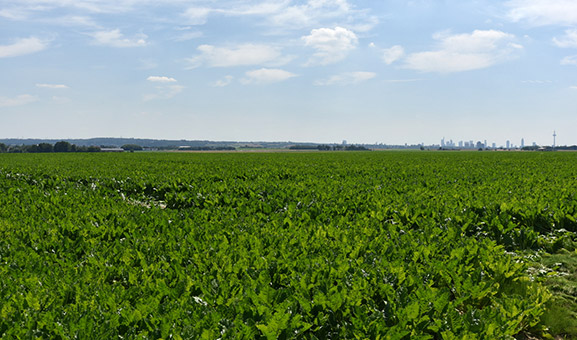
[470, 144]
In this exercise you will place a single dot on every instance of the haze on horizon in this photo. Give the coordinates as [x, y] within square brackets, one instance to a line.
[322, 71]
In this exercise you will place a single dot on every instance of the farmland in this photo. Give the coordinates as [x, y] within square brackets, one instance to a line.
[391, 245]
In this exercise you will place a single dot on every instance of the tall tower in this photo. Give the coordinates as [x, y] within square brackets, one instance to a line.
[522, 143]
[554, 137]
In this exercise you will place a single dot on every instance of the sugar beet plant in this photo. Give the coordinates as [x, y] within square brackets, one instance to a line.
[279, 246]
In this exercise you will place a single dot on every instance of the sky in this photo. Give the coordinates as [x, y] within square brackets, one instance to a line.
[324, 71]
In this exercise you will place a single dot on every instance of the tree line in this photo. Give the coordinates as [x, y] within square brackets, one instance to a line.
[324, 147]
[61, 146]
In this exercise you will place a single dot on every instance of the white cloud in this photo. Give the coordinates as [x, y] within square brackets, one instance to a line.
[268, 9]
[161, 79]
[543, 12]
[77, 21]
[570, 60]
[267, 76]
[289, 15]
[166, 88]
[272, 14]
[227, 80]
[464, 52]
[114, 38]
[13, 14]
[331, 45]
[197, 15]
[573, 87]
[92, 6]
[241, 55]
[22, 99]
[23, 46]
[390, 55]
[569, 40]
[70, 21]
[52, 86]
[45, 10]
[186, 33]
[348, 78]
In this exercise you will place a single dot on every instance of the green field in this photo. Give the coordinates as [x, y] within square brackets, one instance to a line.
[390, 245]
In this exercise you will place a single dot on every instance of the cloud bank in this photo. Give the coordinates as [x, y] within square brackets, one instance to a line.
[23, 46]
[239, 55]
[568, 40]
[543, 12]
[464, 52]
[22, 99]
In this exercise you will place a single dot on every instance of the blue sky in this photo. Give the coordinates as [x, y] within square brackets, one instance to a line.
[389, 72]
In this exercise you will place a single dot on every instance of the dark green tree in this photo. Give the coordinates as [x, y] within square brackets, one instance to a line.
[93, 149]
[45, 147]
[62, 146]
[30, 148]
[3, 147]
[131, 147]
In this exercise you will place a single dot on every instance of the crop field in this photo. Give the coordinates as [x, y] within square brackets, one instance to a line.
[336, 245]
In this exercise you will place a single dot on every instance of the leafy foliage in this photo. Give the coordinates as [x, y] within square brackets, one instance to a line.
[307, 245]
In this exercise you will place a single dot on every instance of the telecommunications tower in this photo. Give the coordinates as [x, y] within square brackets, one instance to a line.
[554, 137]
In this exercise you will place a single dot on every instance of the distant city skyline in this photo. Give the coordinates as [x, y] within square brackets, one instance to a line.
[493, 145]
[320, 71]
